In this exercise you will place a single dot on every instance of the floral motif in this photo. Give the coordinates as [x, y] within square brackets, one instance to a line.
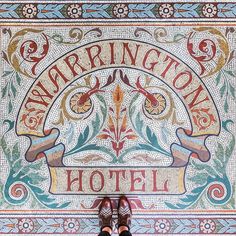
[80, 107]
[29, 10]
[158, 108]
[209, 10]
[26, 225]
[166, 10]
[71, 225]
[207, 226]
[120, 10]
[117, 131]
[74, 11]
[162, 226]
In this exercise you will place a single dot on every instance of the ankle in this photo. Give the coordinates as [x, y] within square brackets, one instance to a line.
[123, 228]
[107, 229]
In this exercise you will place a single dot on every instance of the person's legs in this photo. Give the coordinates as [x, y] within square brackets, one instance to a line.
[125, 233]
[105, 233]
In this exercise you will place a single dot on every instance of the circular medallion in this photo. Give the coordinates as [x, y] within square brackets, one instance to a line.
[79, 107]
[158, 108]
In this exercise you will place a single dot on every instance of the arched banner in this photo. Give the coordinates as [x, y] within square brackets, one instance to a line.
[116, 53]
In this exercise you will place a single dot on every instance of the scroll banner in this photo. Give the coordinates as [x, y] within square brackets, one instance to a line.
[117, 53]
[117, 180]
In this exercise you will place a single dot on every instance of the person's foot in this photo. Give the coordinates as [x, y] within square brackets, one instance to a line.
[105, 215]
[124, 214]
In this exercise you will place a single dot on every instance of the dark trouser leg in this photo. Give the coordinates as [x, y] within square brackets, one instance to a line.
[125, 233]
[104, 233]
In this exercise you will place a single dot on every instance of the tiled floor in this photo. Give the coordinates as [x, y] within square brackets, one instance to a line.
[111, 99]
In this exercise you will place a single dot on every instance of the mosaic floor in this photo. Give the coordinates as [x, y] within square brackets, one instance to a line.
[111, 98]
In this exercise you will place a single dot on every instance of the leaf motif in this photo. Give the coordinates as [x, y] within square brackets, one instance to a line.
[147, 81]
[25, 31]
[4, 56]
[3, 144]
[118, 95]
[199, 178]
[111, 124]
[86, 133]
[50, 11]
[178, 37]
[15, 152]
[138, 123]
[220, 152]
[10, 107]
[226, 106]
[165, 133]
[142, 146]
[131, 136]
[202, 167]
[221, 62]
[232, 90]
[218, 77]
[149, 134]
[229, 72]
[17, 165]
[231, 56]
[44, 198]
[18, 79]
[82, 138]
[225, 125]
[90, 147]
[143, 158]
[103, 136]
[170, 205]
[88, 81]
[124, 78]
[12, 48]
[152, 138]
[95, 10]
[13, 89]
[124, 124]
[36, 178]
[16, 65]
[222, 89]
[71, 135]
[4, 91]
[96, 124]
[229, 149]
[6, 73]
[218, 165]
[10, 124]
[36, 166]
[90, 158]
[110, 80]
[188, 198]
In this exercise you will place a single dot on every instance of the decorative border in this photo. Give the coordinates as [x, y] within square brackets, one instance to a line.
[67, 225]
[79, 11]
